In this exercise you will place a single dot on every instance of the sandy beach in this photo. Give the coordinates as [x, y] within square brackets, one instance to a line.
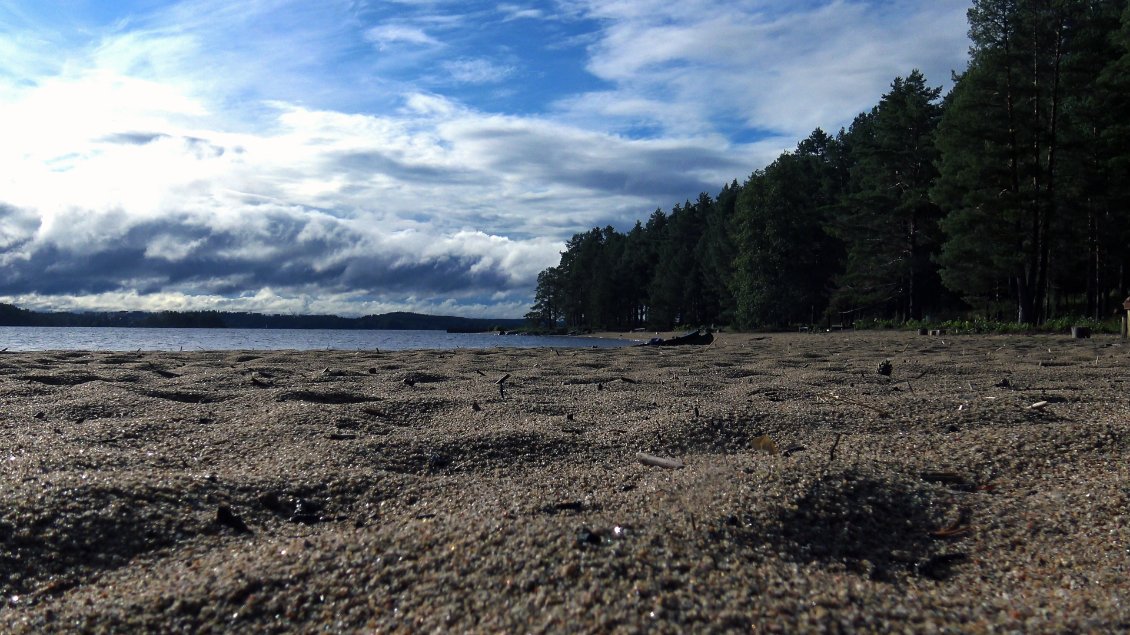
[764, 483]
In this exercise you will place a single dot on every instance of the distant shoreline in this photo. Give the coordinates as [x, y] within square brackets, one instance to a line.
[11, 315]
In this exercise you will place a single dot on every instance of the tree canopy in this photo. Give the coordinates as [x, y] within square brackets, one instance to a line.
[1006, 198]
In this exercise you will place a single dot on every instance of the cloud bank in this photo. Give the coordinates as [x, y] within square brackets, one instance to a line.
[429, 156]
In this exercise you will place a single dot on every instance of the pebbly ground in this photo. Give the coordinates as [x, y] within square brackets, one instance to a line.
[406, 492]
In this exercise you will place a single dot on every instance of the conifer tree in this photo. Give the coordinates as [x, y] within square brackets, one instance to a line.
[1001, 141]
[785, 258]
[888, 223]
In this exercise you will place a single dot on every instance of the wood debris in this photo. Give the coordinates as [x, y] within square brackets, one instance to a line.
[659, 461]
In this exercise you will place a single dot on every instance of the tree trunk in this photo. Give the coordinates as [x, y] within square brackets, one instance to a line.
[913, 309]
[1093, 264]
[1025, 300]
[1050, 207]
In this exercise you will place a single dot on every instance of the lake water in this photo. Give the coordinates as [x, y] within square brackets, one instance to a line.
[28, 338]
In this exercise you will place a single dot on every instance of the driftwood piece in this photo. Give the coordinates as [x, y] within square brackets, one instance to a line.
[659, 461]
[696, 338]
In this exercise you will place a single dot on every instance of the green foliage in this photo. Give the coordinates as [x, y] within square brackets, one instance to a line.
[1007, 197]
[1019, 173]
[12, 315]
[1064, 324]
[992, 327]
[716, 252]
[785, 256]
[672, 271]
[887, 221]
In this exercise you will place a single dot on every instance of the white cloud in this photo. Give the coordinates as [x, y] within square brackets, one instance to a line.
[520, 12]
[767, 66]
[477, 71]
[397, 34]
[262, 156]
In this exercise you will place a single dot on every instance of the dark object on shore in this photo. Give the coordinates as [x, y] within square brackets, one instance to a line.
[938, 567]
[557, 508]
[696, 338]
[271, 502]
[587, 536]
[306, 512]
[953, 479]
[1080, 332]
[225, 516]
[885, 368]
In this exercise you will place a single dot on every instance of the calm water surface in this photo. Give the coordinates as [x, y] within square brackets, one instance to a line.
[29, 338]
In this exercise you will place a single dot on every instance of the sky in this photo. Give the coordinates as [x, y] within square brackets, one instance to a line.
[355, 157]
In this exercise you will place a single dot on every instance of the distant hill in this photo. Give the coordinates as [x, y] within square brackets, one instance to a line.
[11, 315]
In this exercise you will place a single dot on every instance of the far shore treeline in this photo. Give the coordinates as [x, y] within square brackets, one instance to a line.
[1006, 199]
[11, 315]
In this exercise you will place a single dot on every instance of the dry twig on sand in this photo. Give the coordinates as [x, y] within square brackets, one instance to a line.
[832, 451]
[658, 461]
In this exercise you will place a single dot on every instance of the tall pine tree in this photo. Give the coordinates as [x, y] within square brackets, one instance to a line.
[785, 258]
[887, 221]
[1001, 140]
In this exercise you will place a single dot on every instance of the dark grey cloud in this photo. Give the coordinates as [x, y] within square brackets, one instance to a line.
[668, 185]
[134, 138]
[280, 250]
[445, 275]
[603, 164]
[17, 227]
[200, 148]
[342, 207]
[370, 162]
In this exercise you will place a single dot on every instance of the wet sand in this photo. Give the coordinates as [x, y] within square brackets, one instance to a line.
[406, 492]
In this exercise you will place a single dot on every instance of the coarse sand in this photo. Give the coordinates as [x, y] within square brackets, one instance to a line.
[982, 486]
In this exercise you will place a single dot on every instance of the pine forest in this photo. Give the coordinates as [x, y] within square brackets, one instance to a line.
[1006, 199]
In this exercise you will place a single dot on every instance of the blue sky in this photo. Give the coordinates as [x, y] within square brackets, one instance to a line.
[356, 157]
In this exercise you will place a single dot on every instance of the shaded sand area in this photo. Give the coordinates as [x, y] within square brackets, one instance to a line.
[404, 492]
